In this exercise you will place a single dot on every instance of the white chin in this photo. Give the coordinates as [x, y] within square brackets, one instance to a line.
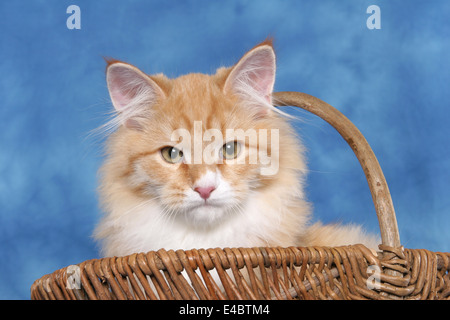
[205, 215]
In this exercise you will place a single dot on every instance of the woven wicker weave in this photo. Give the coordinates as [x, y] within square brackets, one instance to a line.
[350, 272]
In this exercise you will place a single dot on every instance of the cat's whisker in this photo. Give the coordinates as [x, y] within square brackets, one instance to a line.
[238, 209]
[138, 206]
[168, 212]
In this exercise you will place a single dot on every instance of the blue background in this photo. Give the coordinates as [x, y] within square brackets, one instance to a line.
[393, 83]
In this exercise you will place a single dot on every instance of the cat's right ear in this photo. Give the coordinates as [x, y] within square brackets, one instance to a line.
[132, 92]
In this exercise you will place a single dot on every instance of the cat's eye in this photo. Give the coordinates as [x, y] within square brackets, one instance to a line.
[231, 150]
[171, 154]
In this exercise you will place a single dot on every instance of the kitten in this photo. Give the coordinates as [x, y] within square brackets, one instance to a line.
[160, 191]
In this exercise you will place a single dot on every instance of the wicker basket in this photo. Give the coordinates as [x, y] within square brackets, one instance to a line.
[350, 272]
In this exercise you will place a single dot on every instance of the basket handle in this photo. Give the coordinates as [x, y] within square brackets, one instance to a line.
[374, 175]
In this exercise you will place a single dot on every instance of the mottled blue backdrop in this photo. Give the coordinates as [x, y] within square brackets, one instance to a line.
[393, 83]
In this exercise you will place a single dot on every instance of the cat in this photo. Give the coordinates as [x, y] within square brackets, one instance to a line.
[155, 196]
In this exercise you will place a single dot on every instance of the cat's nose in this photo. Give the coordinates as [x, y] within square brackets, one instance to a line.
[205, 192]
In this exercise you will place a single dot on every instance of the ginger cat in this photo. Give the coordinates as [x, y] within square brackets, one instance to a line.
[225, 188]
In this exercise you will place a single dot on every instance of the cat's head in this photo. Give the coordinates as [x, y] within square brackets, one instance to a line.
[201, 145]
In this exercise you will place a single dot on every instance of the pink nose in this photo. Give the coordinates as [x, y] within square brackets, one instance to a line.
[205, 192]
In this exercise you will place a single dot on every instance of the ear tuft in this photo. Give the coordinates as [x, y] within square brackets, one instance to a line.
[253, 77]
[132, 92]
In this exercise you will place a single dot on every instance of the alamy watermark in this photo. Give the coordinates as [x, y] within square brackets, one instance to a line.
[257, 146]
[374, 20]
[73, 281]
[373, 281]
[74, 20]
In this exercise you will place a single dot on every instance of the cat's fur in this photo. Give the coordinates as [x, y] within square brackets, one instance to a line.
[151, 204]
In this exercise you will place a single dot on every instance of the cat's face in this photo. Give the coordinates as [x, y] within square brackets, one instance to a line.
[199, 145]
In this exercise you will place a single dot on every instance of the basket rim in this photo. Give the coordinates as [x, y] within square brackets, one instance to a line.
[106, 278]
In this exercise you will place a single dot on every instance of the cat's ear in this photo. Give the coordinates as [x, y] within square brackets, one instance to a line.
[132, 92]
[254, 76]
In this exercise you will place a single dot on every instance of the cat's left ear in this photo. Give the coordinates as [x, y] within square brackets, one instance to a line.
[254, 75]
